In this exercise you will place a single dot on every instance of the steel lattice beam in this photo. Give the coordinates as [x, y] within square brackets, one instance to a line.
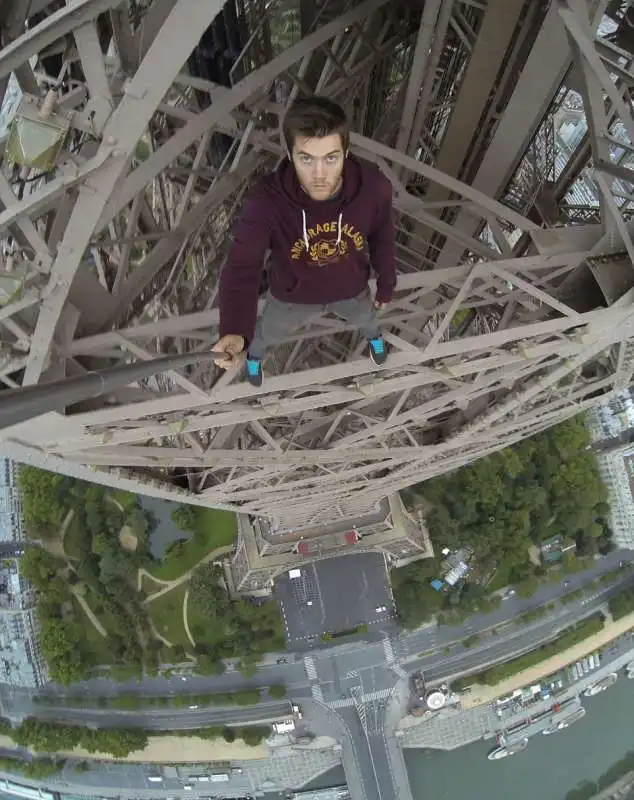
[118, 255]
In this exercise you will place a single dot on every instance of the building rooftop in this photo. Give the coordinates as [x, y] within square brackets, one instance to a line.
[11, 528]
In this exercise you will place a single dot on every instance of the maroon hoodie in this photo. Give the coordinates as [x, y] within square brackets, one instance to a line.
[321, 250]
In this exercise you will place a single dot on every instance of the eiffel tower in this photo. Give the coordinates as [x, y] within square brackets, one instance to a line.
[129, 134]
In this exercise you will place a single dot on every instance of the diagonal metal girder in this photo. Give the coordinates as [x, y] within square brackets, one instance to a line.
[485, 350]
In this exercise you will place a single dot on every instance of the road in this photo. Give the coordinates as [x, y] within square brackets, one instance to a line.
[358, 689]
[408, 645]
[172, 719]
[349, 689]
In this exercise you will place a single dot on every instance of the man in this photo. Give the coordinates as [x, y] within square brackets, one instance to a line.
[325, 217]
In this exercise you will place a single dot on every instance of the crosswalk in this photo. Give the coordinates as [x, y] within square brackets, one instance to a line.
[310, 667]
[390, 657]
[370, 697]
[317, 693]
[342, 703]
[388, 649]
[381, 694]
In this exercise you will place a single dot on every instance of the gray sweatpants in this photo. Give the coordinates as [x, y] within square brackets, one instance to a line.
[279, 320]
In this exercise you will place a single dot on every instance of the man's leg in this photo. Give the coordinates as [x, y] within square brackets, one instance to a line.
[360, 312]
[277, 321]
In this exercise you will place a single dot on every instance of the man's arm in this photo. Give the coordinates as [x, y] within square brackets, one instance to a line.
[381, 243]
[240, 278]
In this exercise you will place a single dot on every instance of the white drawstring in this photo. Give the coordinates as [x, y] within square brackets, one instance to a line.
[305, 230]
[306, 242]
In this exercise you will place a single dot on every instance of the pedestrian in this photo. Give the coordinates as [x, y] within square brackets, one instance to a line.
[326, 219]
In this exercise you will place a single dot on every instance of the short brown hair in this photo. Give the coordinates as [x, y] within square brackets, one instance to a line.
[315, 117]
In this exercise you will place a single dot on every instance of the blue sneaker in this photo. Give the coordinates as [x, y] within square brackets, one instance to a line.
[254, 371]
[378, 353]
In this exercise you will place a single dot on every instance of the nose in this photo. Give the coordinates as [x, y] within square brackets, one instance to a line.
[319, 170]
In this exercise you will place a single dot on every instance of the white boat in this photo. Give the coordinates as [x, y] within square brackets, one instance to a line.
[602, 685]
[630, 674]
[630, 667]
[576, 715]
[551, 729]
[508, 750]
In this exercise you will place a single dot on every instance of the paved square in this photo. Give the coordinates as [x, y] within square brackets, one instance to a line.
[333, 595]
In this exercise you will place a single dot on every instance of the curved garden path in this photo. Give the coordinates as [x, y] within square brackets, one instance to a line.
[186, 621]
[89, 612]
[169, 585]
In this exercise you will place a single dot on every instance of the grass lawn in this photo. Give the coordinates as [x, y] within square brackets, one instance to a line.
[127, 500]
[500, 579]
[149, 586]
[214, 528]
[109, 622]
[72, 538]
[572, 564]
[201, 628]
[92, 641]
[167, 615]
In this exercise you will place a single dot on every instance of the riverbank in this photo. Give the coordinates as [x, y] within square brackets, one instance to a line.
[550, 767]
[171, 750]
[481, 695]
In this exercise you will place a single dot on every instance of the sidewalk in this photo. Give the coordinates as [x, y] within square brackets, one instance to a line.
[172, 749]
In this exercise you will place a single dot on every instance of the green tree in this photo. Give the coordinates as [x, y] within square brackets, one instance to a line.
[416, 600]
[100, 544]
[118, 742]
[41, 499]
[247, 667]
[207, 664]
[247, 697]
[60, 641]
[40, 768]
[46, 737]
[229, 735]
[115, 565]
[254, 734]
[43, 571]
[233, 627]
[502, 504]
[622, 603]
[185, 517]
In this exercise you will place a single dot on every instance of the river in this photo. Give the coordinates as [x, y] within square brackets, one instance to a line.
[549, 767]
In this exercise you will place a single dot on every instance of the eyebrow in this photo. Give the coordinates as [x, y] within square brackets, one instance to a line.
[310, 155]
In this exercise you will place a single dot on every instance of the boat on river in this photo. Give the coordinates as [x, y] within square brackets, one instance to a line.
[508, 750]
[577, 714]
[602, 685]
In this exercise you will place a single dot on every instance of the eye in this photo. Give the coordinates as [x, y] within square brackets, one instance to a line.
[306, 159]
[331, 159]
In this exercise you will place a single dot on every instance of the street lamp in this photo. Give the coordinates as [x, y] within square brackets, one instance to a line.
[37, 133]
[18, 405]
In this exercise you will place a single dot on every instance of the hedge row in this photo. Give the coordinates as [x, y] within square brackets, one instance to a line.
[572, 636]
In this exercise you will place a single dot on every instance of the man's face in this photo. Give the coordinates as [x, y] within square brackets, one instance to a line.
[318, 162]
